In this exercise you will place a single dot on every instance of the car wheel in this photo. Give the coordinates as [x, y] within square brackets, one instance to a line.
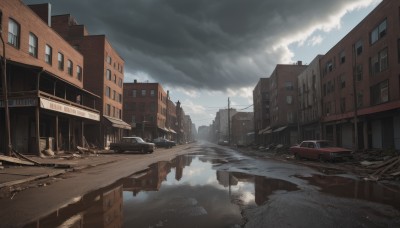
[321, 158]
[143, 150]
[297, 156]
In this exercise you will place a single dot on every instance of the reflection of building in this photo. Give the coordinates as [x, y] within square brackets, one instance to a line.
[242, 125]
[150, 180]
[96, 209]
[180, 163]
[264, 187]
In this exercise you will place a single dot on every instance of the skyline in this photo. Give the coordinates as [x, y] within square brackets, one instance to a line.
[204, 52]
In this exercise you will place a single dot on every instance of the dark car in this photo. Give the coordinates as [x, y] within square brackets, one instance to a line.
[161, 142]
[321, 150]
[132, 144]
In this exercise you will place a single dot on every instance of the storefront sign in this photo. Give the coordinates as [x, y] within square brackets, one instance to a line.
[68, 109]
[20, 102]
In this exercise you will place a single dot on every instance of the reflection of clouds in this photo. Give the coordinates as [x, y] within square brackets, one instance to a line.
[247, 197]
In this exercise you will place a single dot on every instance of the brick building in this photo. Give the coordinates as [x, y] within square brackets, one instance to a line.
[360, 81]
[261, 103]
[283, 103]
[309, 97]
[242, 127]
[105, 74]
[145, 107]
[48, 105]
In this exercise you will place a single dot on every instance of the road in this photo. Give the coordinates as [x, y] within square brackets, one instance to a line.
[207, 185]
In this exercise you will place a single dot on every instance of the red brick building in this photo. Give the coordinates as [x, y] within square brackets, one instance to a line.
[261, 103]
[48, 105]
[242, 127]
[145, 107]
[360, 81]
[105, 74]
[284, 104]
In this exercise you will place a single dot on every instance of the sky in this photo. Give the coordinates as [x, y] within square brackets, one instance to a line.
[206, 51]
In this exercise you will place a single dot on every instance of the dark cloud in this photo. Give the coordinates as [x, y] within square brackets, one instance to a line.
[205, 44]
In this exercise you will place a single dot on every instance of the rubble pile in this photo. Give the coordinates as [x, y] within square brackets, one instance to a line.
[388, 169]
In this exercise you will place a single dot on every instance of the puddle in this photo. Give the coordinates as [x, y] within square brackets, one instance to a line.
[180, 193]
[356, 189]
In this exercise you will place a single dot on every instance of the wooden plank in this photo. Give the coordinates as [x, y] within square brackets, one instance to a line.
[14, 160]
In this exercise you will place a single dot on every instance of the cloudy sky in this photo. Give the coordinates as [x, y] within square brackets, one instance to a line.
[204, 51]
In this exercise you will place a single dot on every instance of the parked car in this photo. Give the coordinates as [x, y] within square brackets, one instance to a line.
[161, 142]
[132, 144]
[321, 150]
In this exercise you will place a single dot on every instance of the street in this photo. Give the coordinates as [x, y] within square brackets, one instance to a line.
[203, 185]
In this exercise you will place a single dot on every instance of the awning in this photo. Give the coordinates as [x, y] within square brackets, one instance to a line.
[263, 130]
[172, 131]
[280, 129]
[118, 123]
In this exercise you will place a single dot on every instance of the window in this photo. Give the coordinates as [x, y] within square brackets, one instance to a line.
[120, 98]
[13, 33]
[108, 91]
[70, 67]
[33, 45]
[152, 107]
[359, 47]
[60, 57]
[289, 86]
[119, 82]
[108, 74]
[133, 106]
[289, 99]
[48, 54]
[342, 57]
[79, 73]
[142, 107]
[342, 105]
[359, 72]
[109, 59]
[113, 111]
[329, 66]
[114, 95]
[290, 117]
[108, 109]
[379, 62]
[134, 93]
[143, 92]
[152, 93]
[342, 81]
[133, 119]
[360, 98]
[115, 79]
[378, 32]
[380, 93]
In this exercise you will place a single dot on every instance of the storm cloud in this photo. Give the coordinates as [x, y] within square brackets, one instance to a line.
[200, 44]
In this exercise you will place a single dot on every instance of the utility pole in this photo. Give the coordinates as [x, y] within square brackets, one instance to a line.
[229, 123]
[5, 93]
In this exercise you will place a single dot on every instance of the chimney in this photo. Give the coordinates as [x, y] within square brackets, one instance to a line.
[135, 81]
[43, 11]
[299, 63]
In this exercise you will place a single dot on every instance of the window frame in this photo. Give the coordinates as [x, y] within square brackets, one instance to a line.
[14, 36]
[70, 67]
[48, 54]
[33, 47]
[60, 62]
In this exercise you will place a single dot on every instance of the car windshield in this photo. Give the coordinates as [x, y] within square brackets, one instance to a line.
[324, 144]
[139, 140]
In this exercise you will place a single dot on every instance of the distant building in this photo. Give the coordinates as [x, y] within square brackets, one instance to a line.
[222, 122]
[242, 128]
[145, 108]
[261, 104]
[48, 105]
[284, 104]
[105, 74]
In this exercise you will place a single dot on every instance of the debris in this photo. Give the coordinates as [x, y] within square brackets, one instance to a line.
[386, 170]
[15, 160]
[84, 150]
[47, 152]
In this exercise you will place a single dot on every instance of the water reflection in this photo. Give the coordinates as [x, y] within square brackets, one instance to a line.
[350, 188]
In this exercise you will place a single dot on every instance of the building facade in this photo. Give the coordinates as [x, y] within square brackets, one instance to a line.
[261, 103]
[284, 104]
[145, 106]
[360, 83]
[105, 74]
[309, 98]
[48, 105]
[242, 128]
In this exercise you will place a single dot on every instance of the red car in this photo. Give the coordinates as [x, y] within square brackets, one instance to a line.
[321, 150]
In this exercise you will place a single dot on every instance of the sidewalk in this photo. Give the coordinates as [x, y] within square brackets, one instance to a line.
[52, 166]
